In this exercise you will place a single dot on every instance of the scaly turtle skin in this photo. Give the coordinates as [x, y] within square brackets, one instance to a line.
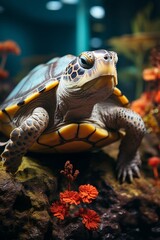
[71, 104]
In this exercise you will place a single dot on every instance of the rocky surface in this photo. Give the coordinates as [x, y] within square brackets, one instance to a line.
[128, 211]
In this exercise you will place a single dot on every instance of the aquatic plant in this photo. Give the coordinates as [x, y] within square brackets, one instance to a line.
[71, 203]
[148, 105]
[145, 35]
[6, 47]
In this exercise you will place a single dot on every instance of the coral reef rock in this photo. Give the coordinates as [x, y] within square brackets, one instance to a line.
[128, 211]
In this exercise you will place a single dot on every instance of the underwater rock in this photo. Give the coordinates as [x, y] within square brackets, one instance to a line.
[128, 211]
[24, 201]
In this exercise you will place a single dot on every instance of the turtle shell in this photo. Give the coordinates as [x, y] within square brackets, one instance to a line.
[42, 78]
[76, 136]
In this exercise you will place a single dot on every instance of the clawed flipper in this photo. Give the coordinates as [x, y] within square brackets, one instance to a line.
[23, 137]
[128, 170]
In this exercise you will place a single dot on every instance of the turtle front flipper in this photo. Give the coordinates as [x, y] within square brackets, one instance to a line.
[129, 160]
[23, 137]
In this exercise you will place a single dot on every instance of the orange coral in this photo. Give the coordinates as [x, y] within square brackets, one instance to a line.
[142, 104]
[71, 197]
[9, 46]
[90, 218]
[157, 97]
[59, 210]
[151, 74]
[87, 193]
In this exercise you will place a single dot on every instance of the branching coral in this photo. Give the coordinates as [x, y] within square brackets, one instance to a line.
[71, 202]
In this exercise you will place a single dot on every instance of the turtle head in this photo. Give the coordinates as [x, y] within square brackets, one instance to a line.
[92, 72]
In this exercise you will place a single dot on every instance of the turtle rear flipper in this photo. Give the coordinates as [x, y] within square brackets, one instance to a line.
[23, 137]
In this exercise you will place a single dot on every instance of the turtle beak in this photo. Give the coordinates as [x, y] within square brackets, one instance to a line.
[104, 75]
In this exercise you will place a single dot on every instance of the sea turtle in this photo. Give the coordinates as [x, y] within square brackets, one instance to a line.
[71, 104]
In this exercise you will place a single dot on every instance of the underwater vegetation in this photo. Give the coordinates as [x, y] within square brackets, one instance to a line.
[6, 47]
[71, 202]
[145, 35]
[148, 105]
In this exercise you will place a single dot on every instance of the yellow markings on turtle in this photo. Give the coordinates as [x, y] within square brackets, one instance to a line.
[117, 92]
[1, 114]
[74, 146]
[50, 139]
[51, 85]
[100, 133]
[69, 131]
[123, 99]
[12, 109]
[85, 130]
[75, 138]
[112, 137]
[31, 97]
[48, 87]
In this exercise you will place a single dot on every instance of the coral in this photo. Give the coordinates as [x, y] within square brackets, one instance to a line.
[90, 218]
[59, 210]
[9, 46]
[154, 162]
[69, 199]
[151, 74]
[87, 193]
[6, 48]
[148, 105]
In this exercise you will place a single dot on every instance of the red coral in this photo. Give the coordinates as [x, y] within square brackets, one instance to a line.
[90, 218]
[71, 197]
[154, 162]
[9, 46]
[59, 210]
[87, 193]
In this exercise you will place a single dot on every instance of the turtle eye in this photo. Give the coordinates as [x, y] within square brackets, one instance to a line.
[86, 60]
